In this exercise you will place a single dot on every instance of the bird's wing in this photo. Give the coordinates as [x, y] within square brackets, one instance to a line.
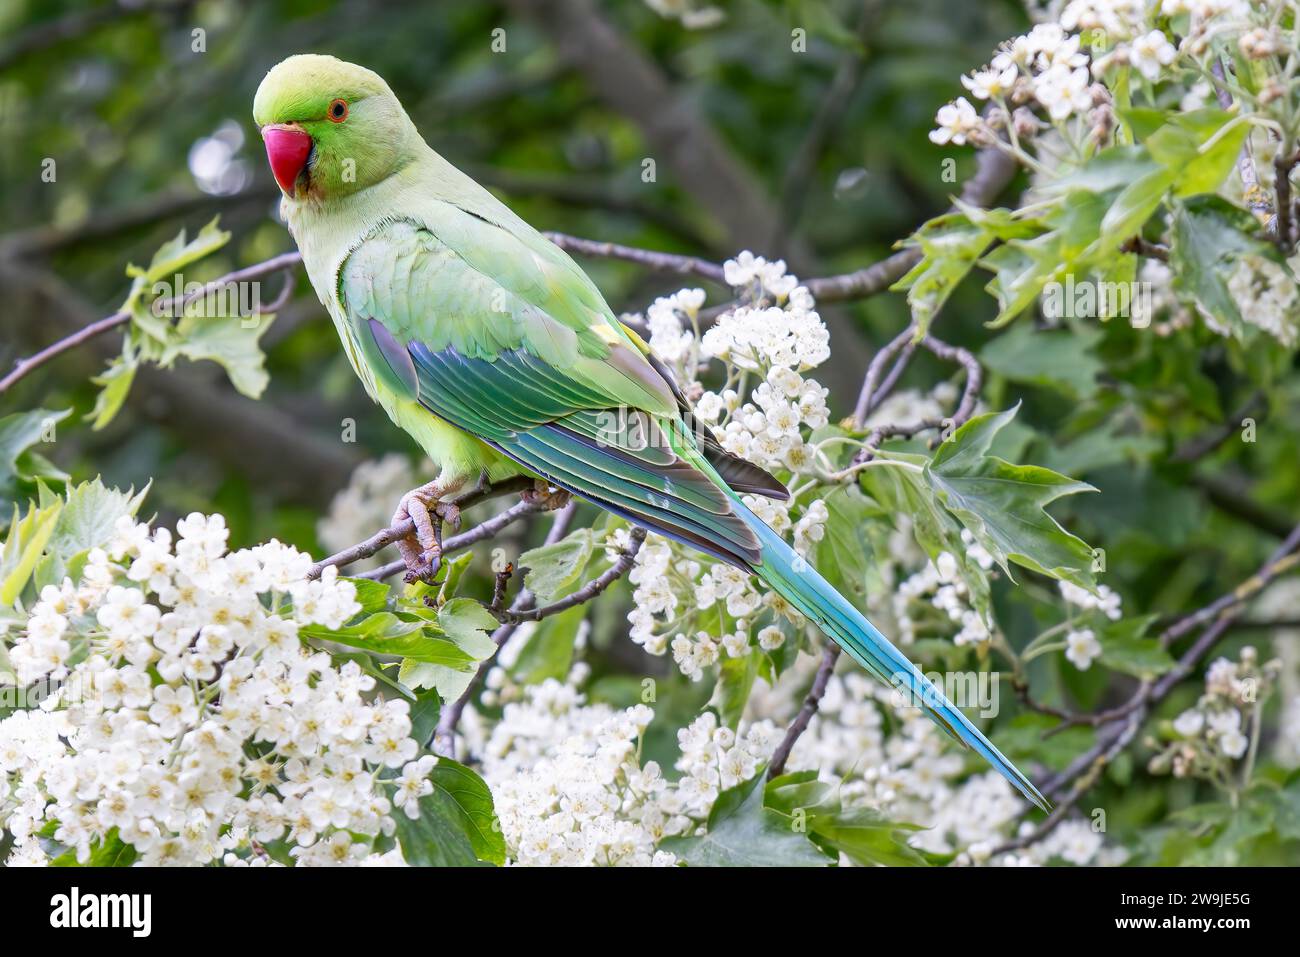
[499, 338]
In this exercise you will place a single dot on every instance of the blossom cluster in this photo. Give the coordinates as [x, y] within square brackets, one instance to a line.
[940, 586]
[190, 721]
[1216, 732]
[571, 790]
[1057, 73]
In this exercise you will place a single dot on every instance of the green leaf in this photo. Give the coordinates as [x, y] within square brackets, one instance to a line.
[1180, 145]
[1209, 237]
[86, 521]
[173, 256]
[844, 554]
[1020, 270]
[384, 633]
[230, 341]
[1061, 360]
[371, 595]
[800, 791]
[1124, 649]
[23, 547]
[457, 826]
[111, 851]
[741, 832]
[465, 623]
[18, 433]
[950, 245]
[860, 833]
[1002, 504]
[735, 681]
[865, 837]
[908, 492]
[553, 568]
[425, 711]
[114, 386]
[1135, 204]
[470, 625]
[469, 794]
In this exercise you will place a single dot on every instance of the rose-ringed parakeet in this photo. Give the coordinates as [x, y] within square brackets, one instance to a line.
[495, 351]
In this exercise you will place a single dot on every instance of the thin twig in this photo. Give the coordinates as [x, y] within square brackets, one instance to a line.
[582, 595]
[974, 375]
[660, 262]
[809, 708]
[444, 738]
[870, 382]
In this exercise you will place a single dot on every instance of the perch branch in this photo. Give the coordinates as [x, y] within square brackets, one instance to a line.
[387, 536]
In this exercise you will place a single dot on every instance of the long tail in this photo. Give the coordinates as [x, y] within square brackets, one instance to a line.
[801, 585]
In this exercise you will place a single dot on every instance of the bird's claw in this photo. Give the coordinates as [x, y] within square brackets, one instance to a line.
[422, 549]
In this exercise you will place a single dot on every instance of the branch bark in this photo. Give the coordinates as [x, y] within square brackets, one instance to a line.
[809, 708]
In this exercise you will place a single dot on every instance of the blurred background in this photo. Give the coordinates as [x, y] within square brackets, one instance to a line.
[819, 156]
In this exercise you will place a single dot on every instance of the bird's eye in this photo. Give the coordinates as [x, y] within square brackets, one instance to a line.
[338, 111]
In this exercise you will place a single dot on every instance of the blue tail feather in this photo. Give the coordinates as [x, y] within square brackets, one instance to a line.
[800, 584]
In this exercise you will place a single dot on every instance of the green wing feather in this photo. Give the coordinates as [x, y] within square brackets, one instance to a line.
[531, 361]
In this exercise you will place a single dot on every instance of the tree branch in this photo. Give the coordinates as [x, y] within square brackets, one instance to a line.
[660, 262]
[444, 738]
[809, 708]
[387, 536]
[584, 594]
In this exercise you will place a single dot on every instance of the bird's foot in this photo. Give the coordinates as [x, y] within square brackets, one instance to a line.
[548, 497]
[423, 506]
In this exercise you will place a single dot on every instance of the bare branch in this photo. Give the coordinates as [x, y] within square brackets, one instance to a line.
[974, 375]
[584, 594]
[809, 708]
[176, 305]
[868, 397]
[660, 262]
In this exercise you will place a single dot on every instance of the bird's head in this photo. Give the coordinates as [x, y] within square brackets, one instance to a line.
[330, 127]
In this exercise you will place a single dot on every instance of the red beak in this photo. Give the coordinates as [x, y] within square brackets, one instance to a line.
[287, 148]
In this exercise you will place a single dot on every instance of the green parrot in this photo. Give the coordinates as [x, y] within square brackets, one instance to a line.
[499, 356]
